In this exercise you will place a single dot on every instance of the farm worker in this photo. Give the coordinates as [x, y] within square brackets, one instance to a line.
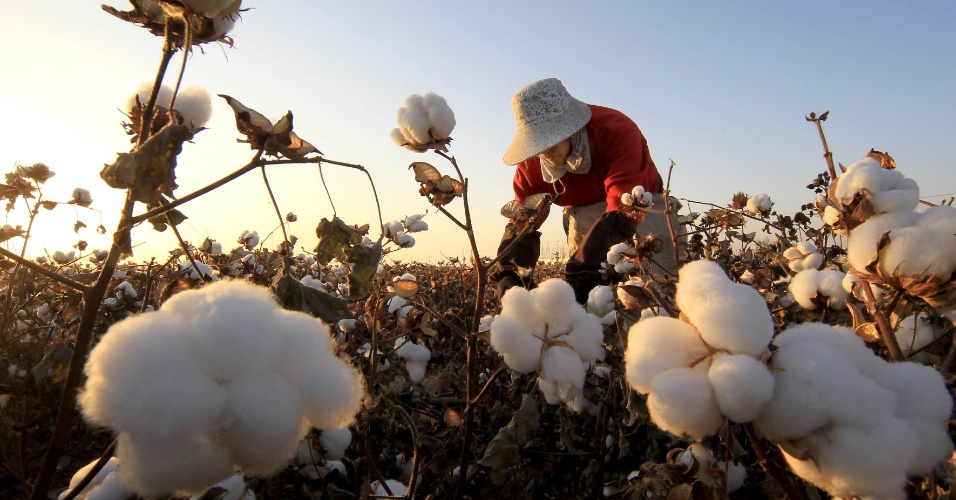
[586, 156]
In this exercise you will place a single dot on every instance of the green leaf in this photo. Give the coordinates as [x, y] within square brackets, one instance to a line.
[151, 169]
[335, 239]
[295, 296]
[504, 451]
[365, 260]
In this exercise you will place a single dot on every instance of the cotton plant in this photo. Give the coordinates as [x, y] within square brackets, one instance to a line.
[849, 421]
[637, 197]
[617, 258]
[547, 332]
[416, 357]
[424, 122]
[803, 255]
[707, 366]
[600, 301]
[249, 239]
[220, 379]
[811, 287]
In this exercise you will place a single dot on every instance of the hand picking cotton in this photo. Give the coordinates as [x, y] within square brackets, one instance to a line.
[220, 378]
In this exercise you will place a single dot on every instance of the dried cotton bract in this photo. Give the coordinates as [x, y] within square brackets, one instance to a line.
[546, 331]
[424, 123]
[221, 377]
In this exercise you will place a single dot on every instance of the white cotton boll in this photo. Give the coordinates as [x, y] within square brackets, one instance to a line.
[550, 391]
[859, 461]
[221, 25]
[397, 488]
[831, 216]
[806, 247]
[519, 346]
[736, 475]
[838, 338]
[336, 465]
[397, 137]
[742, 386]
[600, 301]
[416, 370]
[395, 303]
[581, 404]
[887, 190]
[586, 337]
[758, 204]
[335, 441]
[404, 240]
[658, 344]
[142, 377]
[311, 282]
[914, 333]
[162, 99]
[563, 367]
[728, 315]
[393, 228]
[626, 199]
[61, 257]
[414, 125]
[807, 283]
[440, 115]
[484, 324]
[682, 402]
[411, 351]
[861, 246]
[418, 227]
[554, 299]
[623, 267]
[195, 105]
[189, 464]
[111, 467]
[127, 288]
[925, 247]
[923, 400]
[265, 423]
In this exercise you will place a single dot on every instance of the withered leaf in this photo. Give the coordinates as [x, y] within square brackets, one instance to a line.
[504, 450]
[151, 169]
[49, 205]
[365, 260]
[295, 296]
[335, 238]
[77, 226]
[425, 172]
[250, 122]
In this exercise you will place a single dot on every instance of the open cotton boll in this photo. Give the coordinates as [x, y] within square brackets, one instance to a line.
[416, 358]
[682, 402]
[563, 367]
[512, 339]
[914, 333]
[600, 301]
[398, 137]
[658, 344]
[145, 88]
[335, 441]
[108, 474]
[187, 465]
[554, 299]
[728, 315]
[925, 247]
[331, 390]
[807, 283]
[586, 337]
[440, 115]
[142, 377]
[855, 461]
[887, 190]
[861, 246]
[758, 204]
[265, 423]
[414, 123]
[838, 338]
[194, 104]
[742, 385]
[397, 488]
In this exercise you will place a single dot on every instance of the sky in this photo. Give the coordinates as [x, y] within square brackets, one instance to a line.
[719, 88]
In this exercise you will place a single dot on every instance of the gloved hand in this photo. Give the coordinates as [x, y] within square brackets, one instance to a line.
[505, 283]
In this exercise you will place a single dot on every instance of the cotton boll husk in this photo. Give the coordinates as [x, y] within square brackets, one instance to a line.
[861, 245]
[519, 346]
[657, 344]
[586, 337]
[859, 461]
[189, 464]
[142, 377]
[682, 402]
[728, 315]
[563, 367]
[194, 104]
[265, 423]
[742, 385]
[600, 301]
[335, 441]
[111, 467]
[924, 401]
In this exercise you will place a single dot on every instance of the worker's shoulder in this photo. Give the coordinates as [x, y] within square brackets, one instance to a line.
[606, 120]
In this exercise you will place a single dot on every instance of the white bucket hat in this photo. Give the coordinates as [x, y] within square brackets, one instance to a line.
[545, 114]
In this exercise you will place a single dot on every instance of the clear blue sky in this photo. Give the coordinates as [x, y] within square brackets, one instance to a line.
[720, 88]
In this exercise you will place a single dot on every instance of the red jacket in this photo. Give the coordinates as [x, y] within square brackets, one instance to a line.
[620, 160]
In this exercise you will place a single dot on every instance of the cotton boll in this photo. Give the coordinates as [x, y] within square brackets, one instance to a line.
[520, 348]
[736, 475]
[658, 344]
[165, 93]
[742, 386]
[189, 464]
[600, 301]
[335, 441]
[440, 115]
[411, 351]
[416, 370]
[563, 367]
[221, 25]
[859, 461]
[194, 104]
[397, 488]
[924, 247]
[682, 402]
[923, 400]
[914, 333]
[807, 283]
[837, 338]
[142, 377]
[331, 391]
[887, 190]
[414, 125]
[554, 299]
[586, 337]
[398, 137]
[111, 468]
[758, 204]
[265, 423]
[729, 315]
[861, 246]
[550, 391]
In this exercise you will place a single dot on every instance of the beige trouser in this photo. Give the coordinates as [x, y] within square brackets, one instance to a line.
[580, 220]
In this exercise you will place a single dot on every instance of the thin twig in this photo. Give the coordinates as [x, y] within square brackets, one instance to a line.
[667, 214]
[88, 478]
[44, 271]
[275, 204]
[328, 194]
[499, 371]
[818, 120]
